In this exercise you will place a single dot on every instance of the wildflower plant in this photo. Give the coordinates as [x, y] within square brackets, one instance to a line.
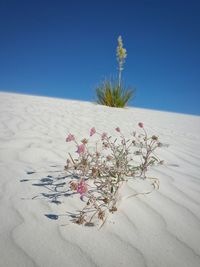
[98, 175]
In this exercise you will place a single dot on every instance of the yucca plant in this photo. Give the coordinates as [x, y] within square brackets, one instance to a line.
[113, 93]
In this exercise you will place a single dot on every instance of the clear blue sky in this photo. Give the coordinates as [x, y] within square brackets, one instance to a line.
[65, 48]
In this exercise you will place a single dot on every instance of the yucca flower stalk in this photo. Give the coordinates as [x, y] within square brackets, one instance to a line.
[121, 55]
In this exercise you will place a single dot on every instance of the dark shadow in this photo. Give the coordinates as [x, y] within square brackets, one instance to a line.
[52, 216]
[54, 188]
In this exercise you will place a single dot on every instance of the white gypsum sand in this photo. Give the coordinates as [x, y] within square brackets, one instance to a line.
[160, 229]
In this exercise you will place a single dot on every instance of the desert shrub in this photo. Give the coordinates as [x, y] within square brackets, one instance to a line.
[113, 93]
[98, 174]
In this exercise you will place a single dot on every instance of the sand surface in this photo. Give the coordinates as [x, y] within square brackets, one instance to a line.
[157, 230]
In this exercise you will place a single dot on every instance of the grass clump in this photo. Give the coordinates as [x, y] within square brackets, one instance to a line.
[111, 94]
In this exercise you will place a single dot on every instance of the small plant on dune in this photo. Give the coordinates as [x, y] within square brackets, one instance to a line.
[113, 93]
[98, 175]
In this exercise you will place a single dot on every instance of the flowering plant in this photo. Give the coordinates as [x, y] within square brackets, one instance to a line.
[98, 175]
[112, 93]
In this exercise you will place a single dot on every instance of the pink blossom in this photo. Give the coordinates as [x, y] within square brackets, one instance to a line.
[92, 131]
[82, 187]
[140, 124]
[81, 149]
[117, 129]
[103, 136]
[70, 138]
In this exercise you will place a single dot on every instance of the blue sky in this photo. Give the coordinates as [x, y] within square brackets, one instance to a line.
[66, 48]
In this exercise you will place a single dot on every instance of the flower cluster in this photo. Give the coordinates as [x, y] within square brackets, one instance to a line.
[121, 55]
[97, 176]
[121, 52]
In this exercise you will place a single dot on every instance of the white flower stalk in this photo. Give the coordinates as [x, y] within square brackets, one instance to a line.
[121, 55]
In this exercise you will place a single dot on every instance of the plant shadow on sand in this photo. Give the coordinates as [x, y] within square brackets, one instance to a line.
[55, 188]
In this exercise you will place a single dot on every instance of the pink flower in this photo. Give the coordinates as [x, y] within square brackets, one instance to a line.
[70, 138]
[103, 136]
[82, 187]
[92, 131]
[140, 124]
[81, 149]
[117, 129]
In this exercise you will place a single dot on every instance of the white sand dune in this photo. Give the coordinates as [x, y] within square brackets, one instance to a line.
[161, 229]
